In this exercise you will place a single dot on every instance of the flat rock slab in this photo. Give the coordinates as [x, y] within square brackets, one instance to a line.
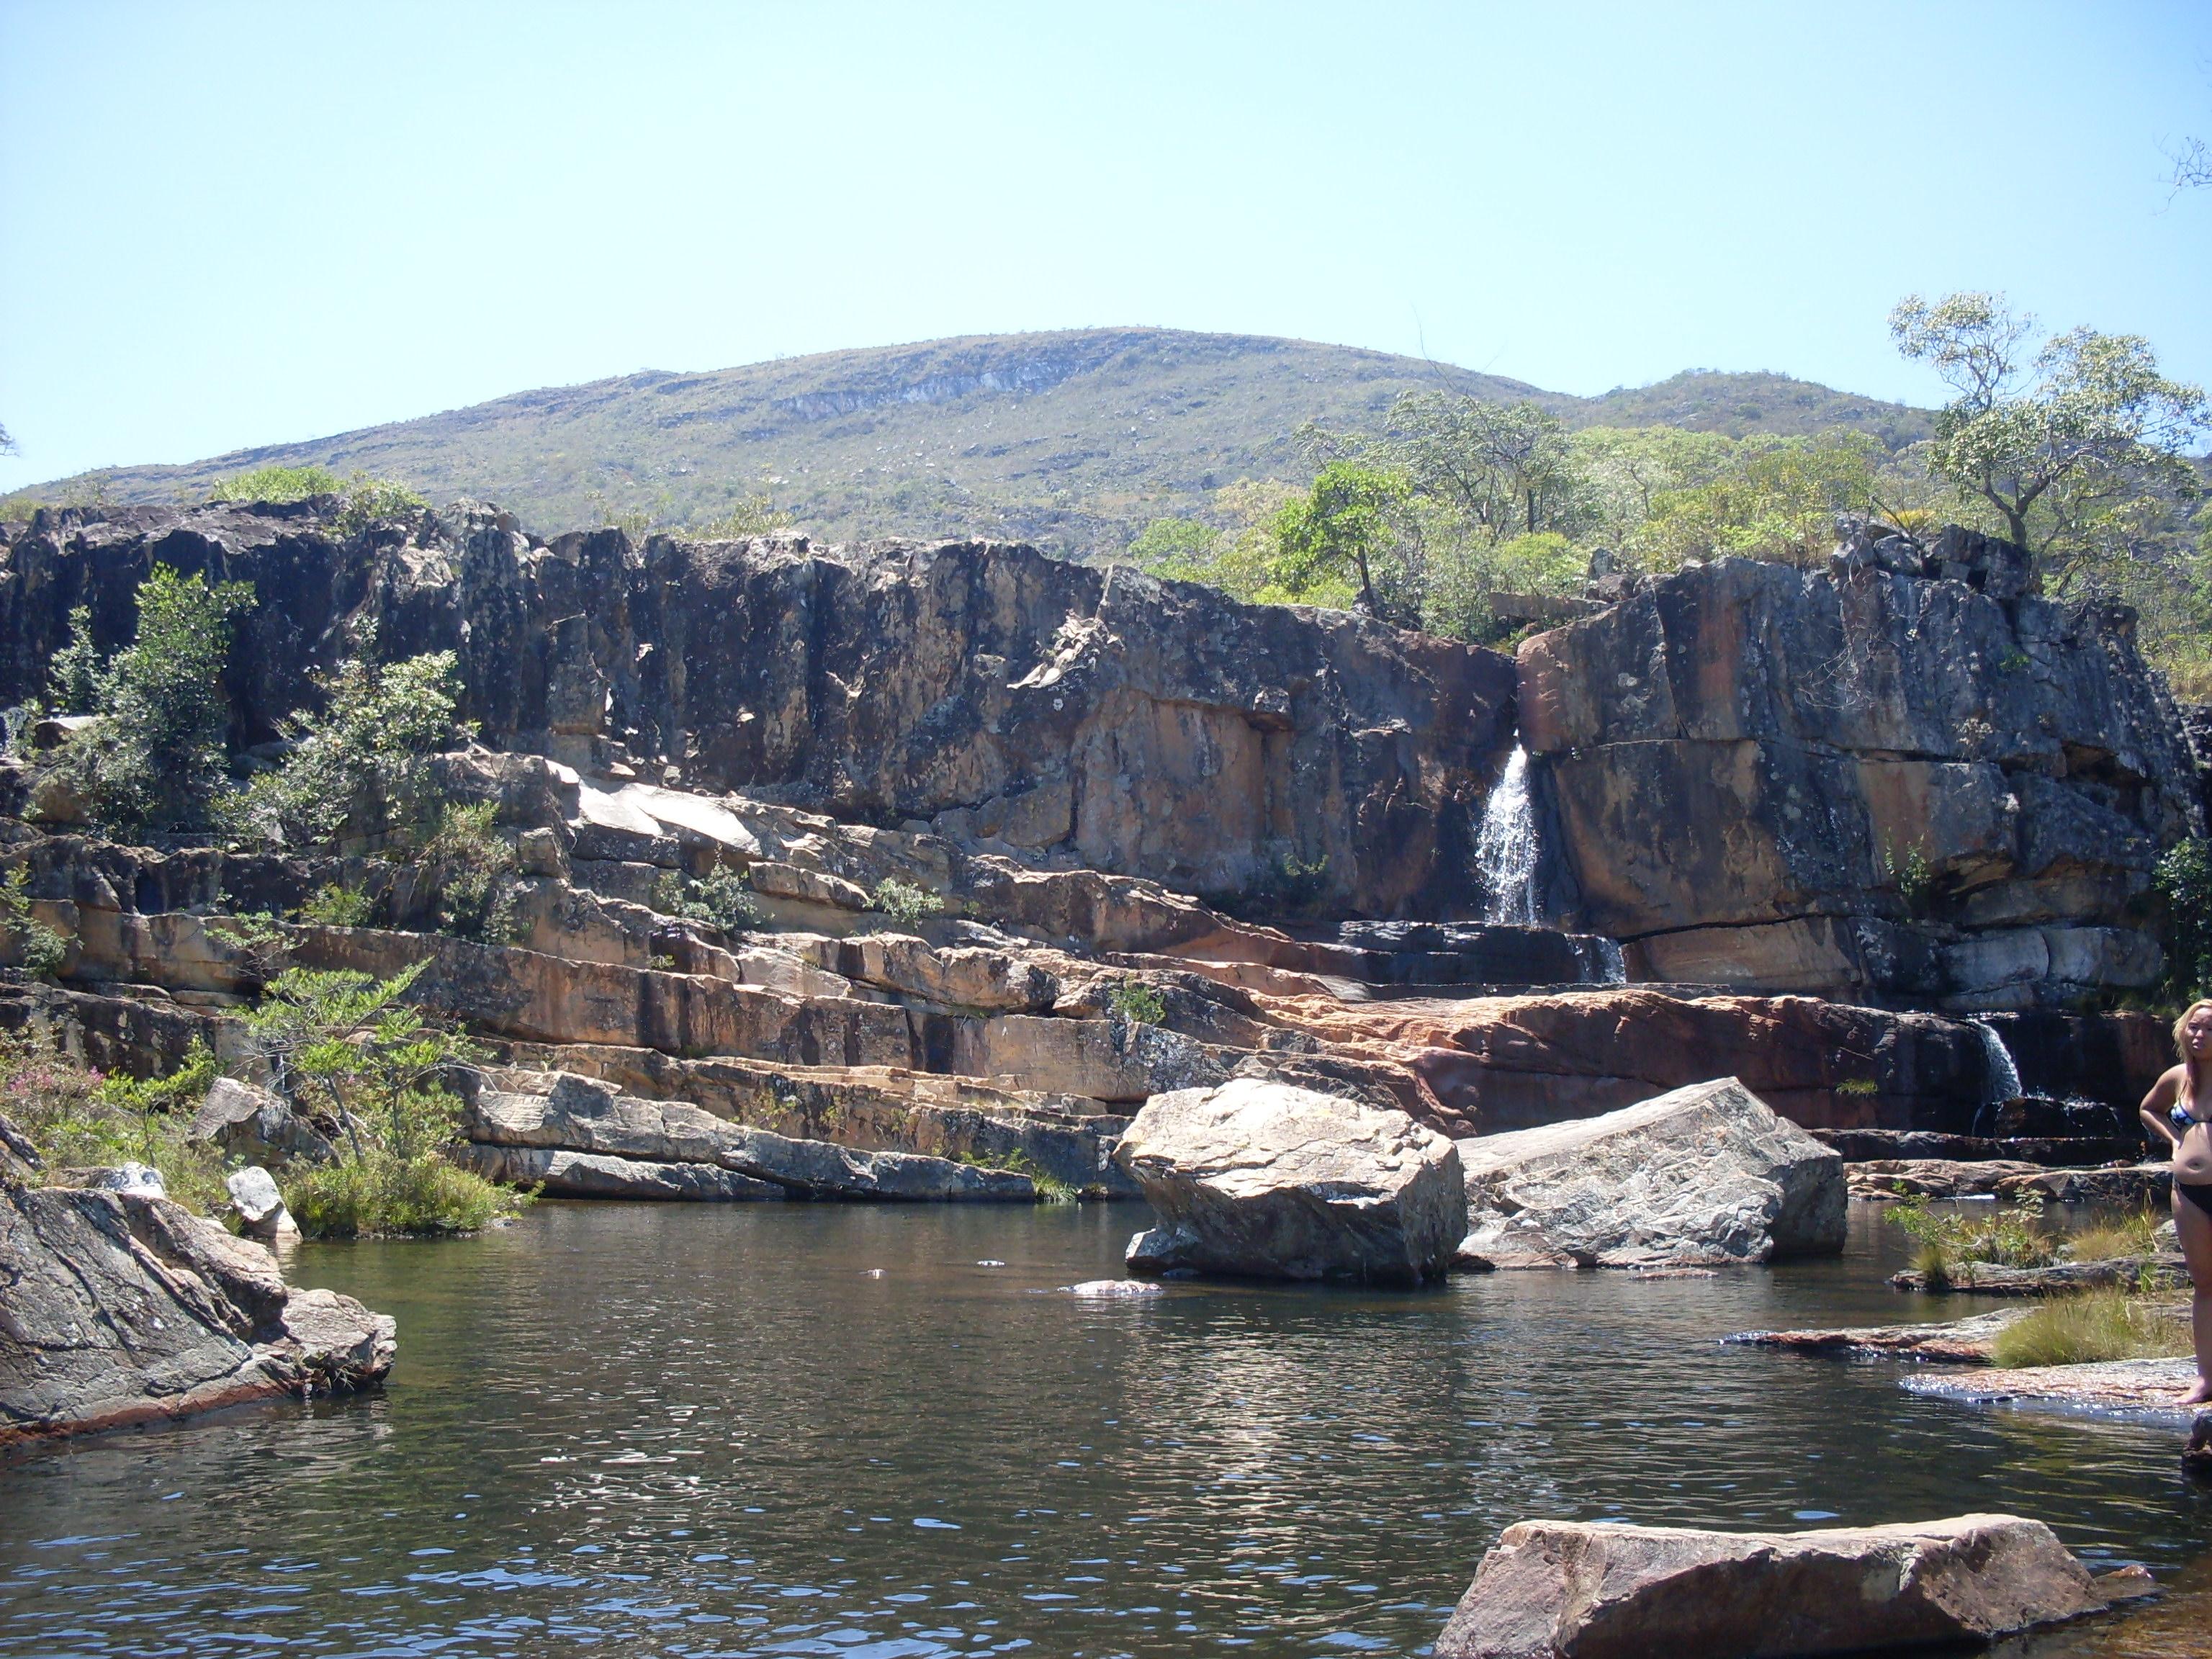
[1563, 1589]
[1933, 1177]
[1957, 1341]
[1704, 1175]
[1258, 1179]
[558, 1173]
[2131, 1387]
[2167, 1272]
[2135, 1185]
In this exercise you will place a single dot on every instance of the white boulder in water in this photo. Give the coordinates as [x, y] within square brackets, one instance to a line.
[1257, 1179]
[1705, 1176]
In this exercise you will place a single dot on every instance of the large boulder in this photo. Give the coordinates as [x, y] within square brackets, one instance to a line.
[1259, 1179]
[1567, 1589]
[1706, 1174]
[125, 1308]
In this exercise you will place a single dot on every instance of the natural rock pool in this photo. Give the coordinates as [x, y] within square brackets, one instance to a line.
[702, 1430]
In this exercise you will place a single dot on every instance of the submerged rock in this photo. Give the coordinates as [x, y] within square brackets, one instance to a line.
[1969, 1341]
[122, 1307]
[2130, 1387]
[1567, 1589]
[1263, 1180]
[1705, 1175]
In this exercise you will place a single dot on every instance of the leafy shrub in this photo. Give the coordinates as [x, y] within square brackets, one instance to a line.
[43, 950]
[154, 759]
[1914, 878]
[336, 906]
[1859, 1085]
[278, 484]
[1136, 1002]
[720, 898]
[78, 1119]
[2009, 1236]
[375, 501]
[2094, 1325]
[904, 902]
[379, 723]
[342, 1047]
[256, 937]
[2184, 881]
[473, 868]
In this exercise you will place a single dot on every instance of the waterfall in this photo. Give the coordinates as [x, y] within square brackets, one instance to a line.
[1505, 847]
[1600, 958]
[2004, 1076]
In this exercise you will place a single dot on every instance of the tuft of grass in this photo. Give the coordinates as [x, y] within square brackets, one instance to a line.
[2094, 1325]
[2135, 1236]
[1859, 1085]
[378, 1194]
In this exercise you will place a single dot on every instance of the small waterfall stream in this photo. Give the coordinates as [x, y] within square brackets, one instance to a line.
[1506, 846]
[2004, 1077]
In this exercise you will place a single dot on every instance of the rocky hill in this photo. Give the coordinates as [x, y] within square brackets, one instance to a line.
[1067, 440]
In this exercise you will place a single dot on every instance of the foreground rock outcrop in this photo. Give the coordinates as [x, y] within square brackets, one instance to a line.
[121, 1308]
[1262, 1179]
[1563, 1589]
[1704, 1176]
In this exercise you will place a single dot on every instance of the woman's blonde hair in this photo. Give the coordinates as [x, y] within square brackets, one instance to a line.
[2188, 1071]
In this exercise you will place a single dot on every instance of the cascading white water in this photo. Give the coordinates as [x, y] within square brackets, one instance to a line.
[2004, 1076]
[1506, 846]
[1609, 966]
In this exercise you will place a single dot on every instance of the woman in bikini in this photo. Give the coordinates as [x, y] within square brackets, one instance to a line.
[2179, 1107]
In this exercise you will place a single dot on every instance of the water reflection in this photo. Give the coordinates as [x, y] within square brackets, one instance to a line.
[701, 1431]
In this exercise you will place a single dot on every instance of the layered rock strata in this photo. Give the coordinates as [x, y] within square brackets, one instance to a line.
[1894, 780]
[1013, 702]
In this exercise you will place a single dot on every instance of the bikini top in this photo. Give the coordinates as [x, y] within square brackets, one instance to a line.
[2182, 1119]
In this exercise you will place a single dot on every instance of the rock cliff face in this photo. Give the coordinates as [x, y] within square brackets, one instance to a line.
[1011, 702]
[1896, 781]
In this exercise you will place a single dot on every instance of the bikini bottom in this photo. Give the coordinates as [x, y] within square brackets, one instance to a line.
[2198, 1193]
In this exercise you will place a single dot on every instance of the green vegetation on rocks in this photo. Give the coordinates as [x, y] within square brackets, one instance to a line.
[720, 898]
[78, 1119]
[904, 902]
[343, 1048]
[2089, 1326]
[154, 758]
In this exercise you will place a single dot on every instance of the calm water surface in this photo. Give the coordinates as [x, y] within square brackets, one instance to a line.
[709, 1430]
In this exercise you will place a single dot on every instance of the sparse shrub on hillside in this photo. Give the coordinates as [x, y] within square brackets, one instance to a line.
[78, 1119]
[344, 1048]
[741, 518]
[904, 902]
[332, 905]
[363, 501]
[378, 724]
[1913, 876]
[720, 898]
[1137, 1002]
[472, 866]
[155, 757]
[39, 948]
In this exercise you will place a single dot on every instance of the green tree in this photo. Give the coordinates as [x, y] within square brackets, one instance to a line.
[155, 757]
[1769, 498]
[1347, 525]
[345, 1050]
[1508, 468]
[368, 746]
[2056, 442]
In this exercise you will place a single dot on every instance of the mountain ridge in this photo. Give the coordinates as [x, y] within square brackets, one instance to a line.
[1069, 439]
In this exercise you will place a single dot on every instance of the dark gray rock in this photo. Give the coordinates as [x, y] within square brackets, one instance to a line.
[124, 1308]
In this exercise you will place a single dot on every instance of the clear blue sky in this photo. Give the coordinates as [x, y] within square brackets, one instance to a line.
[231, 224]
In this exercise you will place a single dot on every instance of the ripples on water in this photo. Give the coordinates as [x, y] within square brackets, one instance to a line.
[707, 1431]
